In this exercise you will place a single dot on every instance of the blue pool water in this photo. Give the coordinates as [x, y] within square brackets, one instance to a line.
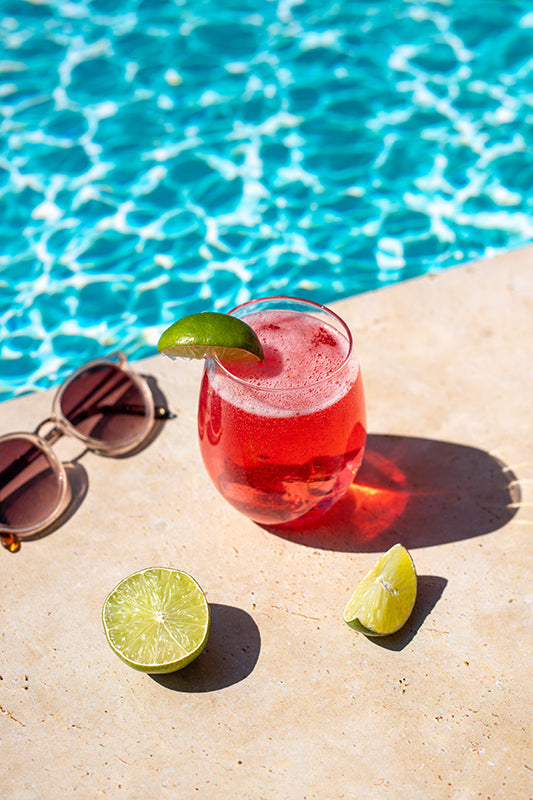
[160, 157]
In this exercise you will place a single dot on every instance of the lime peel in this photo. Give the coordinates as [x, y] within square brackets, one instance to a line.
[157, 620]
[384, 599]
[209, 334]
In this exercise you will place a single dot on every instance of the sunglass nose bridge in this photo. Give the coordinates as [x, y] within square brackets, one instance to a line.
[53, 434]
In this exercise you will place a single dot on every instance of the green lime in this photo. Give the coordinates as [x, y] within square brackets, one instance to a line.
[384, 599]
[210, 334]
[157, 620]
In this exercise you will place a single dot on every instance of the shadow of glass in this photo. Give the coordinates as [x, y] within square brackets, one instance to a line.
[418, 491]
[229, 657]
[429, 592]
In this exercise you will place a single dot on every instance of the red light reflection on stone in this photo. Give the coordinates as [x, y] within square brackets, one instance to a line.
[378, 496]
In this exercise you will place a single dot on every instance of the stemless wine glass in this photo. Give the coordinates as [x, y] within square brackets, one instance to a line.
[283, 438]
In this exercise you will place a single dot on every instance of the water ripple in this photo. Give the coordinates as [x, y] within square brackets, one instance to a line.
[162, 158]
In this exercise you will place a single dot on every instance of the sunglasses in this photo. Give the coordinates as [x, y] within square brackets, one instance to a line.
[106, 406]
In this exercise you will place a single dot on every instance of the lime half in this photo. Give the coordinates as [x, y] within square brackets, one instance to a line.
[157, 620]
[210, 334]
[384, 599]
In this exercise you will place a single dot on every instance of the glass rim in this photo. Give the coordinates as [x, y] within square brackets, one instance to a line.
[318, 307]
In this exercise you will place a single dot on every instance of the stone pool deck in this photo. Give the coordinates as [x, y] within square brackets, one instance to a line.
[286, 701]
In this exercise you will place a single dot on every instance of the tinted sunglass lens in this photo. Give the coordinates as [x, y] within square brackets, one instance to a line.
[30, 485]
[104, 403]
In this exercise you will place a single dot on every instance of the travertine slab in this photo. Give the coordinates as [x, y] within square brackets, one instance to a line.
[287, 702]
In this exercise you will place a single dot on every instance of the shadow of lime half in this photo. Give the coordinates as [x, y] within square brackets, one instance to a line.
[229, 657]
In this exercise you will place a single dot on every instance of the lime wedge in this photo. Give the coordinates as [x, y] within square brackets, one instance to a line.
[157, 620]
[210, 334]
[384, 599]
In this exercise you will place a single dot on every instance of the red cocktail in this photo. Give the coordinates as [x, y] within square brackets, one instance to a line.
[283, 438]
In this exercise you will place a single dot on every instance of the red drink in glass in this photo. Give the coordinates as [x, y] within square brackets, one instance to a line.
[282, 439]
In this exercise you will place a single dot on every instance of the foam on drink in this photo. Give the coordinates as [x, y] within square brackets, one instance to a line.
[301, 372]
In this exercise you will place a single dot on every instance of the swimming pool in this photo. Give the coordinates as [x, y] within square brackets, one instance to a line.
[163, 158]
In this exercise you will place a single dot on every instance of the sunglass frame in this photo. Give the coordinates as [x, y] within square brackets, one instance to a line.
[97, 445]
[64, 488]
[64, 426]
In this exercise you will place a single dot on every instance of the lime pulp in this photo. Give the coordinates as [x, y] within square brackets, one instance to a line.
[384, 599]
[157, 620]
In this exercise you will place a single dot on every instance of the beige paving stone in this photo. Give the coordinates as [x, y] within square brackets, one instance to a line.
[286, 701]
